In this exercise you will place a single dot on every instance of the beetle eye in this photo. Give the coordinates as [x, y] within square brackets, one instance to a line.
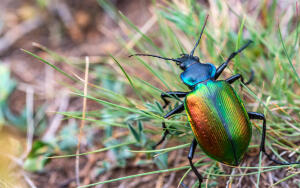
[181, 66]
[196, 58]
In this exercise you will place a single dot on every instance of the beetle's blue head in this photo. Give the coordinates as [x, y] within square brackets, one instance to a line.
[194, 71]
[185, 61]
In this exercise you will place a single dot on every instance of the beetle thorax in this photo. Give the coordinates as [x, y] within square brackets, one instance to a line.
[197, 73]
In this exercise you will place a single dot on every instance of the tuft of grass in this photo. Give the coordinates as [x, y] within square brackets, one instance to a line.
[274, 92]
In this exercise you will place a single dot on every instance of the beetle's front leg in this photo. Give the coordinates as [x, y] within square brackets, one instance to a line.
[224, 65]
[169, 94]
[259, 116]
[176, 110]
[239, 76]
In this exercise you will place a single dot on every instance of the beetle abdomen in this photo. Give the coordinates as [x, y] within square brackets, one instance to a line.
[219, 121]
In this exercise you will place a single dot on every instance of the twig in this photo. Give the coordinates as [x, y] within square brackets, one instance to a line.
[28, 180]
[18, 32]
[229, 182]
[270, 177]
[159, 182]
[64, 13]
[172, 176]
[82, 121]
[56, 122]
[89, 165]
[30, 122]
[240, 178]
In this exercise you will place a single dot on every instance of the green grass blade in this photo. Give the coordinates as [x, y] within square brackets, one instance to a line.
[259, 170]
[136, 175]
[238, 42]
[92, 120]
[135, 134]
[56, 56]
[109, 8]
[155, 73]
[286, 54]
[51, 65]
[128, 78]
[161, 150]
[284, 179]
[149, 85]
[149, 114]
[297, 26]
[94, 151]
[175, 169]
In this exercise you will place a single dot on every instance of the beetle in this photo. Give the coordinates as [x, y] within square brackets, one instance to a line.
[217, 115]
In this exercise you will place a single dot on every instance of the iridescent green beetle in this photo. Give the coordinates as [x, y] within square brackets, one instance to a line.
[217, 116]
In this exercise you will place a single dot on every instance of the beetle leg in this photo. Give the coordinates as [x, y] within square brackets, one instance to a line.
[169, 94]
[224, 65]
[190, 157]
[176, 110]
[239, 76]
[166, 132]
[259, 116]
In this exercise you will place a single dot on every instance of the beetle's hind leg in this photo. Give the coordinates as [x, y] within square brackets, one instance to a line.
[176, 110]
[259, 116]
[190, 157]
[239, 76]
[169, 94]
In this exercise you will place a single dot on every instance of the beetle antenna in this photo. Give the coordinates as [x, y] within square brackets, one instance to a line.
[165, 58]
[192, 52]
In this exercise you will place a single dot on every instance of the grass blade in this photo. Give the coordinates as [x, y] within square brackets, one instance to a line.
[161, 150]
[91, 152]
[149, 114]
[284, 179]
[286, 54]
[259, 170]
[51, 65]
[136, 175]
[238, 42]
[128, 78]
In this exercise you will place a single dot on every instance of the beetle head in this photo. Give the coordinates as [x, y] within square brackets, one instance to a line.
[186, 60]
[194, 70]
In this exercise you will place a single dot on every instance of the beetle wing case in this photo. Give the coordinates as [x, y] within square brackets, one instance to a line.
[219, 121]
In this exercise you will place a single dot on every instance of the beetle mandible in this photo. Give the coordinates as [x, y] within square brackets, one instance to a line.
[217, 116]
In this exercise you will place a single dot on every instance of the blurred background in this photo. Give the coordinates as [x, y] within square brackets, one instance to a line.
[42, 115]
